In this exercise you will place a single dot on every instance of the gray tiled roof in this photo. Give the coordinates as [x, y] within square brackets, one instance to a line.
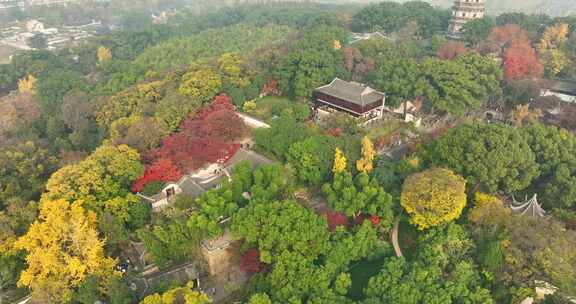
[563, 86]
[352, 92]
[196, 187]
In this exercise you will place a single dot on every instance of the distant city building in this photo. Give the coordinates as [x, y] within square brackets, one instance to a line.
[463, 12]
[8, 4]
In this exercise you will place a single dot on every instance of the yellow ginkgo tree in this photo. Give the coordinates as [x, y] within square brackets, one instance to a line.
[27, 85]
[551, 48]
[339, 162]
[63, 250]
[433, 197]
[104, 54]
[366, 163]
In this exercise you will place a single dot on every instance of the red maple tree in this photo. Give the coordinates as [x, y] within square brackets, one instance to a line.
[375, 220]
[206, 137]
[270, 88]
[336, 219]
[451, 50]
[162, 170]
[220, 103]
[503, 37]
[251, 263]
[521, 62]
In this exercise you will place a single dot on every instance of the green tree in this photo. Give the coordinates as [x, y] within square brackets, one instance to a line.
[277, 140]
[170, 241]
[433, 197]
[24, 169]
[360, 195]
[53, 86]
[277, 227]
[402, 79]
[391, 16]
[442, 271]
[455, 91]
[312, 158]
[260, 298]
[494, 156]
[477, 30]
[214, 205]
[312, 62]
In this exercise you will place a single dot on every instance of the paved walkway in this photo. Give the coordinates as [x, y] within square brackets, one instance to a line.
[394, 236]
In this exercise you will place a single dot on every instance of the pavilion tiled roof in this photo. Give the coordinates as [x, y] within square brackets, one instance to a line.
[562, 86]
[352, 92]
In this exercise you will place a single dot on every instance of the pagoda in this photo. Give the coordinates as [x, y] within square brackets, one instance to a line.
[464, 11]
[529, 207]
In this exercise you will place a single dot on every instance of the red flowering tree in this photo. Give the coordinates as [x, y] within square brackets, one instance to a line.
[451, 50]
[251, 263]
[336, 219]
[375, 220]
[220, 103]
[521, 62]
[162, 170]
[503, 37]
[270, 88]
[203, 138]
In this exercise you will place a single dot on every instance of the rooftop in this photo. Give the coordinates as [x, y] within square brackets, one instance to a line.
[562, 86]
[352, 92]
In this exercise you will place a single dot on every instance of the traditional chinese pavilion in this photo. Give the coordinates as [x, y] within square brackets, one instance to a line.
[353, 98]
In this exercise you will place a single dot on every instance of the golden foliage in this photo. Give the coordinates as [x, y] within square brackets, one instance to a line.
[488, 210]
[27, 85]
[63, 250]
[176, 295]
[414, 162]
[100, 180]
[433, 197]
[522, 114]
[550, 48]
[132, 101]
[339, 162]
[366, 163]
[249, 106]
[104, 54]
[554, 36]
[201, 83]
[337, 45]
[234, 69]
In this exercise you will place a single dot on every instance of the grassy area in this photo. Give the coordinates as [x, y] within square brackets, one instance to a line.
[270, 106]
[361, 274]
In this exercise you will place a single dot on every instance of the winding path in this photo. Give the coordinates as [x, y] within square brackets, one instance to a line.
[394, 236]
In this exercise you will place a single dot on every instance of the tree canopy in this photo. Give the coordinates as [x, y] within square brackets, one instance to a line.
[433, 197]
